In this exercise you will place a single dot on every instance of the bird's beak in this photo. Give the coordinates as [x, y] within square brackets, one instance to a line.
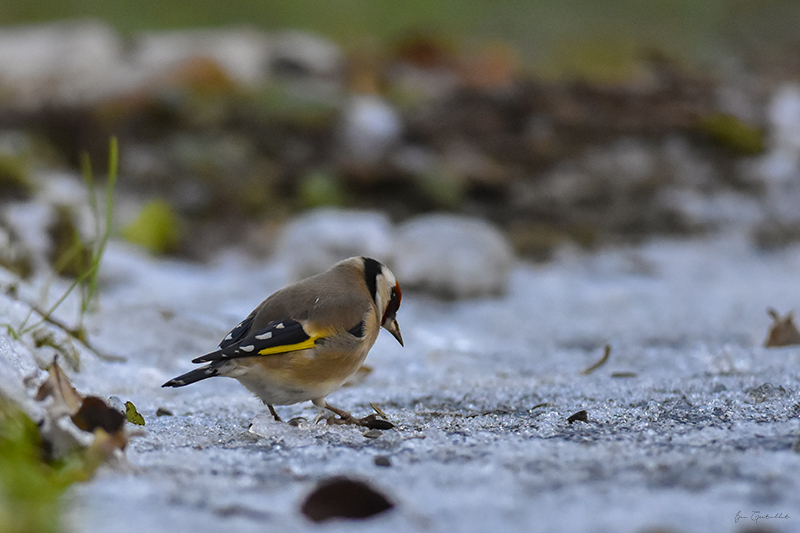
[393, 328]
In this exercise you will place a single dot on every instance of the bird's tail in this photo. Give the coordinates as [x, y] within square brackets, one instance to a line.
[193, 376]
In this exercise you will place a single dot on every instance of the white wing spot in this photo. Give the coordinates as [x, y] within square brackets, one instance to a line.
[264, 336]
[279, 325]
[228, 337]
[249, 348]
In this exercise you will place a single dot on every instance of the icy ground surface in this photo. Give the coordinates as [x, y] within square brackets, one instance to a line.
[700, 430]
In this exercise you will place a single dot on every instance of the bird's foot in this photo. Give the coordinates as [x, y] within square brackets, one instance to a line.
[371, 421]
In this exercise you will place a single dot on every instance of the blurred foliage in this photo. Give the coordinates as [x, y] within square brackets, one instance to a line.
[69, 255]
[733, 134]
[319, 188]
[157, 228]
[441, 188]
[30, 488]
[15, 181]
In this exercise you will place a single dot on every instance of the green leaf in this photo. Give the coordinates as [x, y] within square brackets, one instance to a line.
[133, 415]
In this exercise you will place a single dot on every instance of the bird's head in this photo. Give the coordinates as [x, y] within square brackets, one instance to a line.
[386, 293]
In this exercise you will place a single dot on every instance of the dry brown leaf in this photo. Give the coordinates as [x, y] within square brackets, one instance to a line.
[90, 414]
[95, 413]
[66, 399]
[783, 331]
[103, 447]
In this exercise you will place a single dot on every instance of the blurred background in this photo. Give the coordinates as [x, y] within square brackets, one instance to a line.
[583, 121]
[547, 34]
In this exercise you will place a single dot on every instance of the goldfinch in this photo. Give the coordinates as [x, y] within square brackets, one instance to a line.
[303, 342]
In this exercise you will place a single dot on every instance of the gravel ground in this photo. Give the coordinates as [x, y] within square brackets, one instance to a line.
[690, 424]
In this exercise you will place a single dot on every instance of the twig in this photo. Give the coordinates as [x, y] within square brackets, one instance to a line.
[77, 334]
[598, 364]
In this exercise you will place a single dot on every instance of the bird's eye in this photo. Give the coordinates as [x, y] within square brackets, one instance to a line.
[394, 304]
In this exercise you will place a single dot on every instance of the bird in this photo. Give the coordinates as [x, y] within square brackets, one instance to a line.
[304, 341]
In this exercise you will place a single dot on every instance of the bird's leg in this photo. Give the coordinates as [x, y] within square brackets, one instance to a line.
[274, 413]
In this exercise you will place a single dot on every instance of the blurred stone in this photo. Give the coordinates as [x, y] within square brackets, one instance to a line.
[494, 68]
[424, 67]
[684, 209]
[452, 256]
[315, 240]
[784, 118]
[626, 161]
[685, 165]
[65, 62]
[414, 160]
[475, 166]
[244, 54]
[779, 169]
[369, 128]
[303, 54]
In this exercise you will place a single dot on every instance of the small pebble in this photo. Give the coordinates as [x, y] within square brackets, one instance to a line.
[581, 415]
[373, 433]
[163, 411]
[382, 460]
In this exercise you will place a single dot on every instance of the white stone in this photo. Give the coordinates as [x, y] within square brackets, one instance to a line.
[65, 62]
[307, 52]
[314, 241]
[369, 128]
[452, 256]
[244, 54]
[784, 118]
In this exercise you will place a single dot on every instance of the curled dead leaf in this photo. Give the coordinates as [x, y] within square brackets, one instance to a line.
[95, 413]
[66, 399]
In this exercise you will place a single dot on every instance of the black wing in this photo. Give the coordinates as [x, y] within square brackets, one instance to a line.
[279, 336]
[239, 332]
